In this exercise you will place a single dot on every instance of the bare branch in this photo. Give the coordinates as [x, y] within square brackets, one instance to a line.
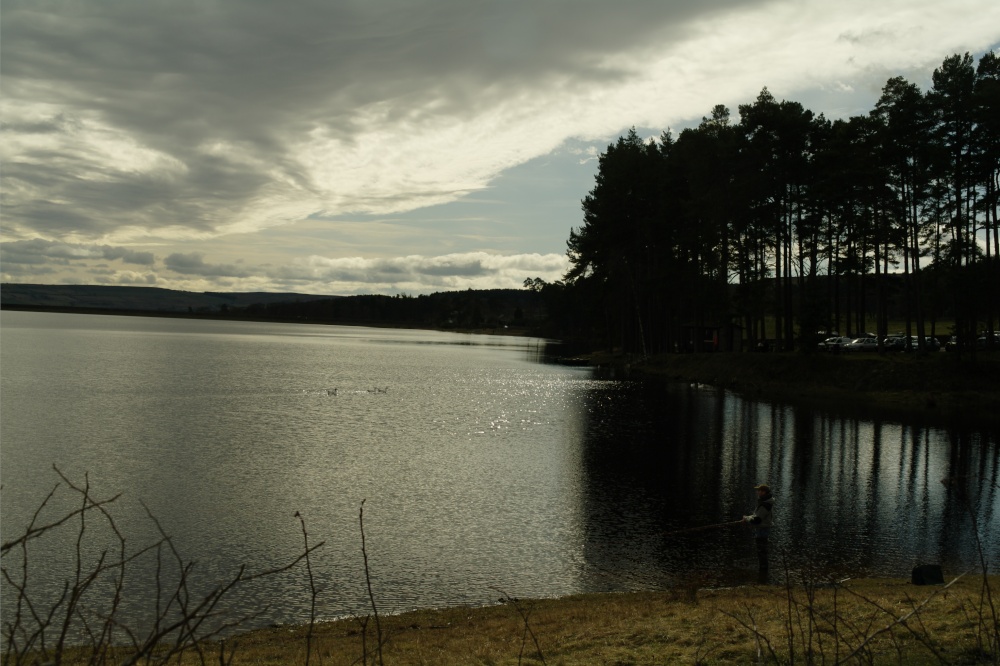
[901, 621]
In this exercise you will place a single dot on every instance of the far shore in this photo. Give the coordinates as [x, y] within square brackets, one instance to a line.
[177, 314]
[938, 388]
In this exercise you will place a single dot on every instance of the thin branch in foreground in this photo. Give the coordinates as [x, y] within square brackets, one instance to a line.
[40, 630]
[34, 532]
[312, 588]
[368, 581]
[525, 616]
[901, 621]
[750, 624]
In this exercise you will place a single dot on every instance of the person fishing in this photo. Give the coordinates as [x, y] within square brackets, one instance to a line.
[761, 521]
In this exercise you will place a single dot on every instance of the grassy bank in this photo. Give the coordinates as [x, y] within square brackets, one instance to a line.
[937, 388]
[864, 621]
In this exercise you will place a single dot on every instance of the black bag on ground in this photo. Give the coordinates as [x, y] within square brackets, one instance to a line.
[927, 574]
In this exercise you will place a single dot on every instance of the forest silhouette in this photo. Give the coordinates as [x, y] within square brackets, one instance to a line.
[785, 225]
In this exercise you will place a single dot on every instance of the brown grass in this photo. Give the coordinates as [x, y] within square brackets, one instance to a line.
[724, 626]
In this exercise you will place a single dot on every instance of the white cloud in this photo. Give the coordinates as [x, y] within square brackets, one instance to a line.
[188, 125]
[420, 274]
[127, 278]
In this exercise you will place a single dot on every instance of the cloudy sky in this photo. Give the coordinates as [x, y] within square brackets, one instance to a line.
[387, 146]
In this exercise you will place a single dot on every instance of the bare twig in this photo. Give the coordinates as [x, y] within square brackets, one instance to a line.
[527, 631]
[312, 588]
[368, 581]
[789, 627]
[34, 532]
[750, 624]
[990, 645]
[901, 621]
[41, 631]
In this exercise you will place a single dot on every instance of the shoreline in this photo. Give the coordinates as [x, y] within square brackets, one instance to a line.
[887, 620]
[936, 389]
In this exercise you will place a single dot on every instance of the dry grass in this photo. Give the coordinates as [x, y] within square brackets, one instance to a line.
[742, 625]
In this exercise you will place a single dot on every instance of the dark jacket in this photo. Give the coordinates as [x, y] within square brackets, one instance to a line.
[763, 516]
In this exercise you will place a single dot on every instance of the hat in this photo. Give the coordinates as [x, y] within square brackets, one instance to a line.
[766, 488]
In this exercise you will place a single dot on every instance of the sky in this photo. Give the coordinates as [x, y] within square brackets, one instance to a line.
[387, 146]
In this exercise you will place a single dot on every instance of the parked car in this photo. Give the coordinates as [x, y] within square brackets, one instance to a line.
[834, 344]
[931, 343]
[954, 343]
[984, 338]
[895, 342]
[862, 345]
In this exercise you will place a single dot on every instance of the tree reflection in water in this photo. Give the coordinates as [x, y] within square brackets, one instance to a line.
[855, 497]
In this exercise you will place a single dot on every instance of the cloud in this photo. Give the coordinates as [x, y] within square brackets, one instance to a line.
[39, 251]
[235, 116]
[588, 154]
[157, 117]
[169, 124]
[414, 273]
[193, 264]
[421, 273]
[127, 278]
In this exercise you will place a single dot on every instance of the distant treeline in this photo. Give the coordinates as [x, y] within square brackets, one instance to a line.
[786, 224]
[490, 309]
[128, 298]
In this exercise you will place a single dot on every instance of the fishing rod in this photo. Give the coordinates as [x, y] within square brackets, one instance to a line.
[705, 527]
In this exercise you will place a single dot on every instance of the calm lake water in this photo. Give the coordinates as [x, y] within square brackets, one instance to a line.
[483, 470]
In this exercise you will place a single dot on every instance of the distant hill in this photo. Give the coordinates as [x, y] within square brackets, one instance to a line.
[148, 299]
[489, 309]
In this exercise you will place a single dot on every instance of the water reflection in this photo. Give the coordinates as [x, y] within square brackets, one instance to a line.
[854, 497]
[481, 467]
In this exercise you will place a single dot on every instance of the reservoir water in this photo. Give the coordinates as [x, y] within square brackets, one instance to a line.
[483, 470]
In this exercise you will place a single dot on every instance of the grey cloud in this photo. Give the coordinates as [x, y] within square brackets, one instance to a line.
[43, 216]
[178, 76]
[130, 256]
[94, 196]
[194, 264]
[391, 268]
[455, 269]
[22, 253]
[27, 272]
[40, 251]
[34, 260]
[52, 125]
[185, 262]
[127, 278]
[879, 34]
[230, 70]
[448, 271]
